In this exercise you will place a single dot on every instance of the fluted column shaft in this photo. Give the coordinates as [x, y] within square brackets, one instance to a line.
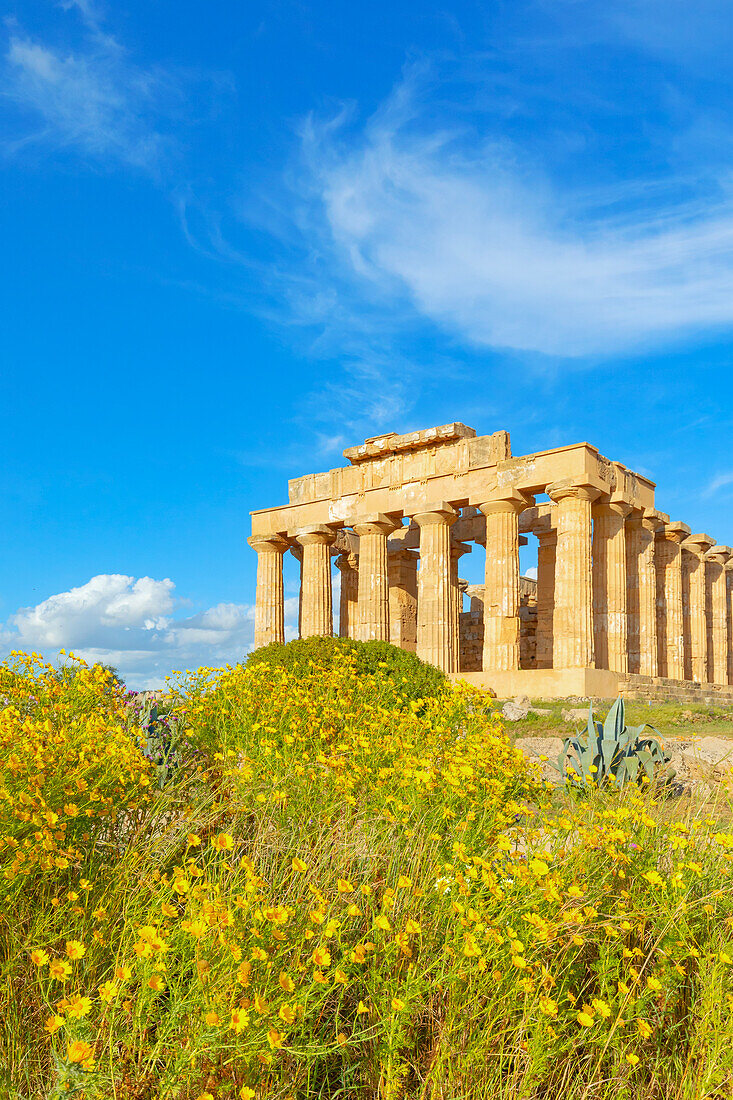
[436, 641]
[546, 553]
[697, 546]
[269, 596]
[501, 584]
[349, 594]
[573, 617]
[716, 561]
[669, 602]
[647, 578]
[633, 553]
[610, 623]
[316, 616]
[729, 617]
[373, 608]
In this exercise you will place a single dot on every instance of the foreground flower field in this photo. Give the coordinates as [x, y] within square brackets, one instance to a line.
[338, 887]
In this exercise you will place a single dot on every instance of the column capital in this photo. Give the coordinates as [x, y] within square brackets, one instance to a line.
[506, 500]
[458, 549]
[320, 534]
[574, 490]
[396, 552]
[376, 523]
[674, 532]
[613, 507]
[346, 560]
[719, 554]
[273, 543]
[652, 521]
[698, 545]
[544, 526]
[439, 512]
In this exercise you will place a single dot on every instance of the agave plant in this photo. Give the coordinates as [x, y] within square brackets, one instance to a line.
[611, 753]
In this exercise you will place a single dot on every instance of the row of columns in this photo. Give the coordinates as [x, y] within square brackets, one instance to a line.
[615, 589]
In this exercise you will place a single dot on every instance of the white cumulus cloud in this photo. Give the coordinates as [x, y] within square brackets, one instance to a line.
[132, 623]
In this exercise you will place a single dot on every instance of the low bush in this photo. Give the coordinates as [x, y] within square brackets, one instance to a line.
[410, 677]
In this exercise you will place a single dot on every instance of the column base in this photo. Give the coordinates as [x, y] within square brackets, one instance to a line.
[546, 683]
[595, 683]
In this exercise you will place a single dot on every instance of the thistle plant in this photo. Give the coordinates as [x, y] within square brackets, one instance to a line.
[611, 753]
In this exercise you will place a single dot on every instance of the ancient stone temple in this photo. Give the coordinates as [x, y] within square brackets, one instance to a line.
[623, 596]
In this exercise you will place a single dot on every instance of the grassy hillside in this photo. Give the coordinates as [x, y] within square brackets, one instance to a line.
[318, 881]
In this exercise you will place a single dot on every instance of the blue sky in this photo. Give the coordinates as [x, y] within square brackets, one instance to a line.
[238, 238]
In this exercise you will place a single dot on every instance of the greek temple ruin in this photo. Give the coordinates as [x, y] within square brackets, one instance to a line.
[624, 597]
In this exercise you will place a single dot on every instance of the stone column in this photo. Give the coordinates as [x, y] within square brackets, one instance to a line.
[610, 623]
[435, 624]
[633, 553]
[373, 611]
[729, 615]
[717, 558]
[348, 601]
[573, 615]
[269, 598]
[457, 550]
[546, 552]
[647, 575]
[316, 592]
[688, 565]
[697, 546]
[671, 646]
[501, 586]
[402, 568]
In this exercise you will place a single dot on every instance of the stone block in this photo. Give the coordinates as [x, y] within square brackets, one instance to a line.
[516, 709]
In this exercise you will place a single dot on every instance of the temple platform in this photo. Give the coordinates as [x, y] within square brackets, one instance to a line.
[595, 683]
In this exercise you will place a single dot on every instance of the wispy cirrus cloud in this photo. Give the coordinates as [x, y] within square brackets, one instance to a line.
[427, 220]
[93, 99]
[721, 481]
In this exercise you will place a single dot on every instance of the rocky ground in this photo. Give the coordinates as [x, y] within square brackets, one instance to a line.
[698, 738]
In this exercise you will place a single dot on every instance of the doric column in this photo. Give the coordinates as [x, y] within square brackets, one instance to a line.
[573, 615]
[436, 642]
[717, 558]
[373, 610]
[316, 593]
[546, 552]
[402, 568]
[729, 615]
[633, 553]
[501, 585]
[347, 563]
[610, 623]
[457, 550]
[696, 547]
[269, 597]
[651, 521]
[670, 624]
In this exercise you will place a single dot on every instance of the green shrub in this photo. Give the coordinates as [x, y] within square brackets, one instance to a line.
[410, 677]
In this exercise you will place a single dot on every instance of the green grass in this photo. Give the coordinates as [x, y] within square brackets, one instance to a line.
[671, 719]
